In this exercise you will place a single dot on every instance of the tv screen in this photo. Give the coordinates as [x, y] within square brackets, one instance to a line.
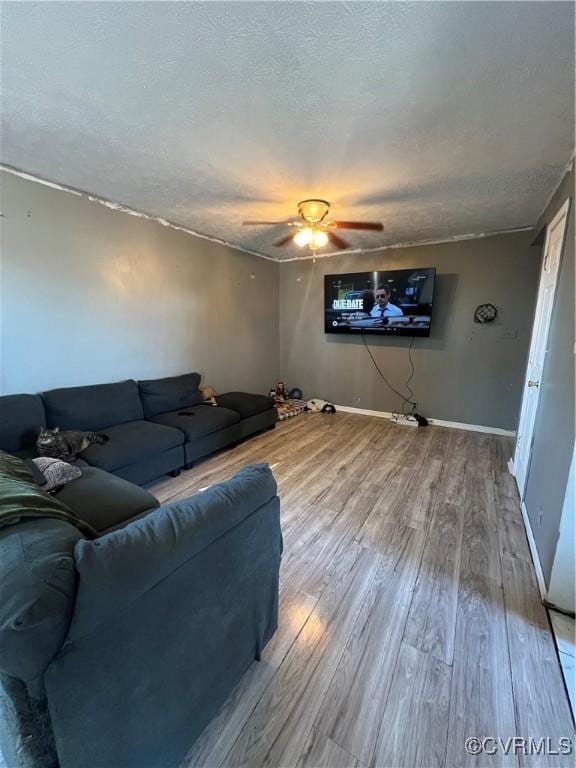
[388, 303]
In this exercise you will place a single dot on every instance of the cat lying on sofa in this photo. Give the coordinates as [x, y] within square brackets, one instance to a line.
[66, 444]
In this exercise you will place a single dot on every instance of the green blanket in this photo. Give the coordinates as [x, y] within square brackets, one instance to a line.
[21, 498]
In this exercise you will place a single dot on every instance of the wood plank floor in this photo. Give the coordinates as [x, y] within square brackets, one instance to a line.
[409, 612]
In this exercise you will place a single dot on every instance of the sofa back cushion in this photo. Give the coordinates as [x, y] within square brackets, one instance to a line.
[120, 566]
[21, 417]
[94, 407]
[169, 394]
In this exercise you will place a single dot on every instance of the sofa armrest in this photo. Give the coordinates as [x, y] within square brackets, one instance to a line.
[119, 567]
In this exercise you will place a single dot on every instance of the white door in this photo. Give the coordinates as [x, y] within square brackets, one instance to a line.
[538, 345]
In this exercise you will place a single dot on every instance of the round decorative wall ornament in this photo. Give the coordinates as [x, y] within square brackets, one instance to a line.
[485, 313]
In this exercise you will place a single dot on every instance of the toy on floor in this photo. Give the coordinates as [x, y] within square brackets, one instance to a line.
[280, 391]
[288, 403]
[320, 406]
[208, 395]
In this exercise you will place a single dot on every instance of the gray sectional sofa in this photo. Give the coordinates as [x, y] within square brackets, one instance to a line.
[154, 427]
[116, 651]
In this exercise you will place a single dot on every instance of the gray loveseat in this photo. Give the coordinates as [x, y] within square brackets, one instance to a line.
[116, 652]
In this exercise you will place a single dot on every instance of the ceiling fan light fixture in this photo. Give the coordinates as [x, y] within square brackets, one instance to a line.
[313, 210]
[304, 237]
[319, 239]
[314, 229]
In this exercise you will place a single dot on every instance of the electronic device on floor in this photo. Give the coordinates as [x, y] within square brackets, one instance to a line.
[409, 420]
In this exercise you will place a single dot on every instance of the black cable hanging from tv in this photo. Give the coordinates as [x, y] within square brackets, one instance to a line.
[406, 401]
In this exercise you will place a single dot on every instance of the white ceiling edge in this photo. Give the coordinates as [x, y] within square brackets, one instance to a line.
[121, 208]
[412, 244]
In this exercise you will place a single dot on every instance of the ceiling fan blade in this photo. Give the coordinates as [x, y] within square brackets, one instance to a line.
[283, 240]
[375, 225]
[251, 223]
[337, 241]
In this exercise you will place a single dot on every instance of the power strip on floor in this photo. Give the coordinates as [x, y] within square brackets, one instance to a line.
[404, 421]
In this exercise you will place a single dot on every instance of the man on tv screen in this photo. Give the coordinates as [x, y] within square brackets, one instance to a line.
[383, 307]
[393, 302]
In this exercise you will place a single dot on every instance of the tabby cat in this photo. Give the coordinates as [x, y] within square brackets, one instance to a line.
[67, 444]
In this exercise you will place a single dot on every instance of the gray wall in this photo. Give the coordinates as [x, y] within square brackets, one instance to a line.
[91, 295]
[465, 372]
[554, 430]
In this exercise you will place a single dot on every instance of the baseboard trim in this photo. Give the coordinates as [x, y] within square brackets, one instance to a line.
[364, 411]
[530, 536]
[534, 553]
[435, 422]
[473, 427]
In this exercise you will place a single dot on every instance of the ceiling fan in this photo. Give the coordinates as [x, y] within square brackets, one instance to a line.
[314, 229]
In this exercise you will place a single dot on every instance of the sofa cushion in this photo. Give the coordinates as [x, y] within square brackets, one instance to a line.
[245, 404]
[95, 407]
[199, 420]
[21, 417]
[104, 500]
[37, 591]
[258, 422]
[131, 443]
[169, 394]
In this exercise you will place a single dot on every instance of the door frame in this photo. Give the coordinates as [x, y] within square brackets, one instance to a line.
[563, 212]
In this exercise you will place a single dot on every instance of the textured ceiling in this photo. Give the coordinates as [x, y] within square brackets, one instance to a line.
[438, 119]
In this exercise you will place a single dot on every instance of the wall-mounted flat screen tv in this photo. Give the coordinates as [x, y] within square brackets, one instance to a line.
[394, 302]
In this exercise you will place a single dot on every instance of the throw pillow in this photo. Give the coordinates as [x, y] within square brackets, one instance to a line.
[37, 476]
[56, 472]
